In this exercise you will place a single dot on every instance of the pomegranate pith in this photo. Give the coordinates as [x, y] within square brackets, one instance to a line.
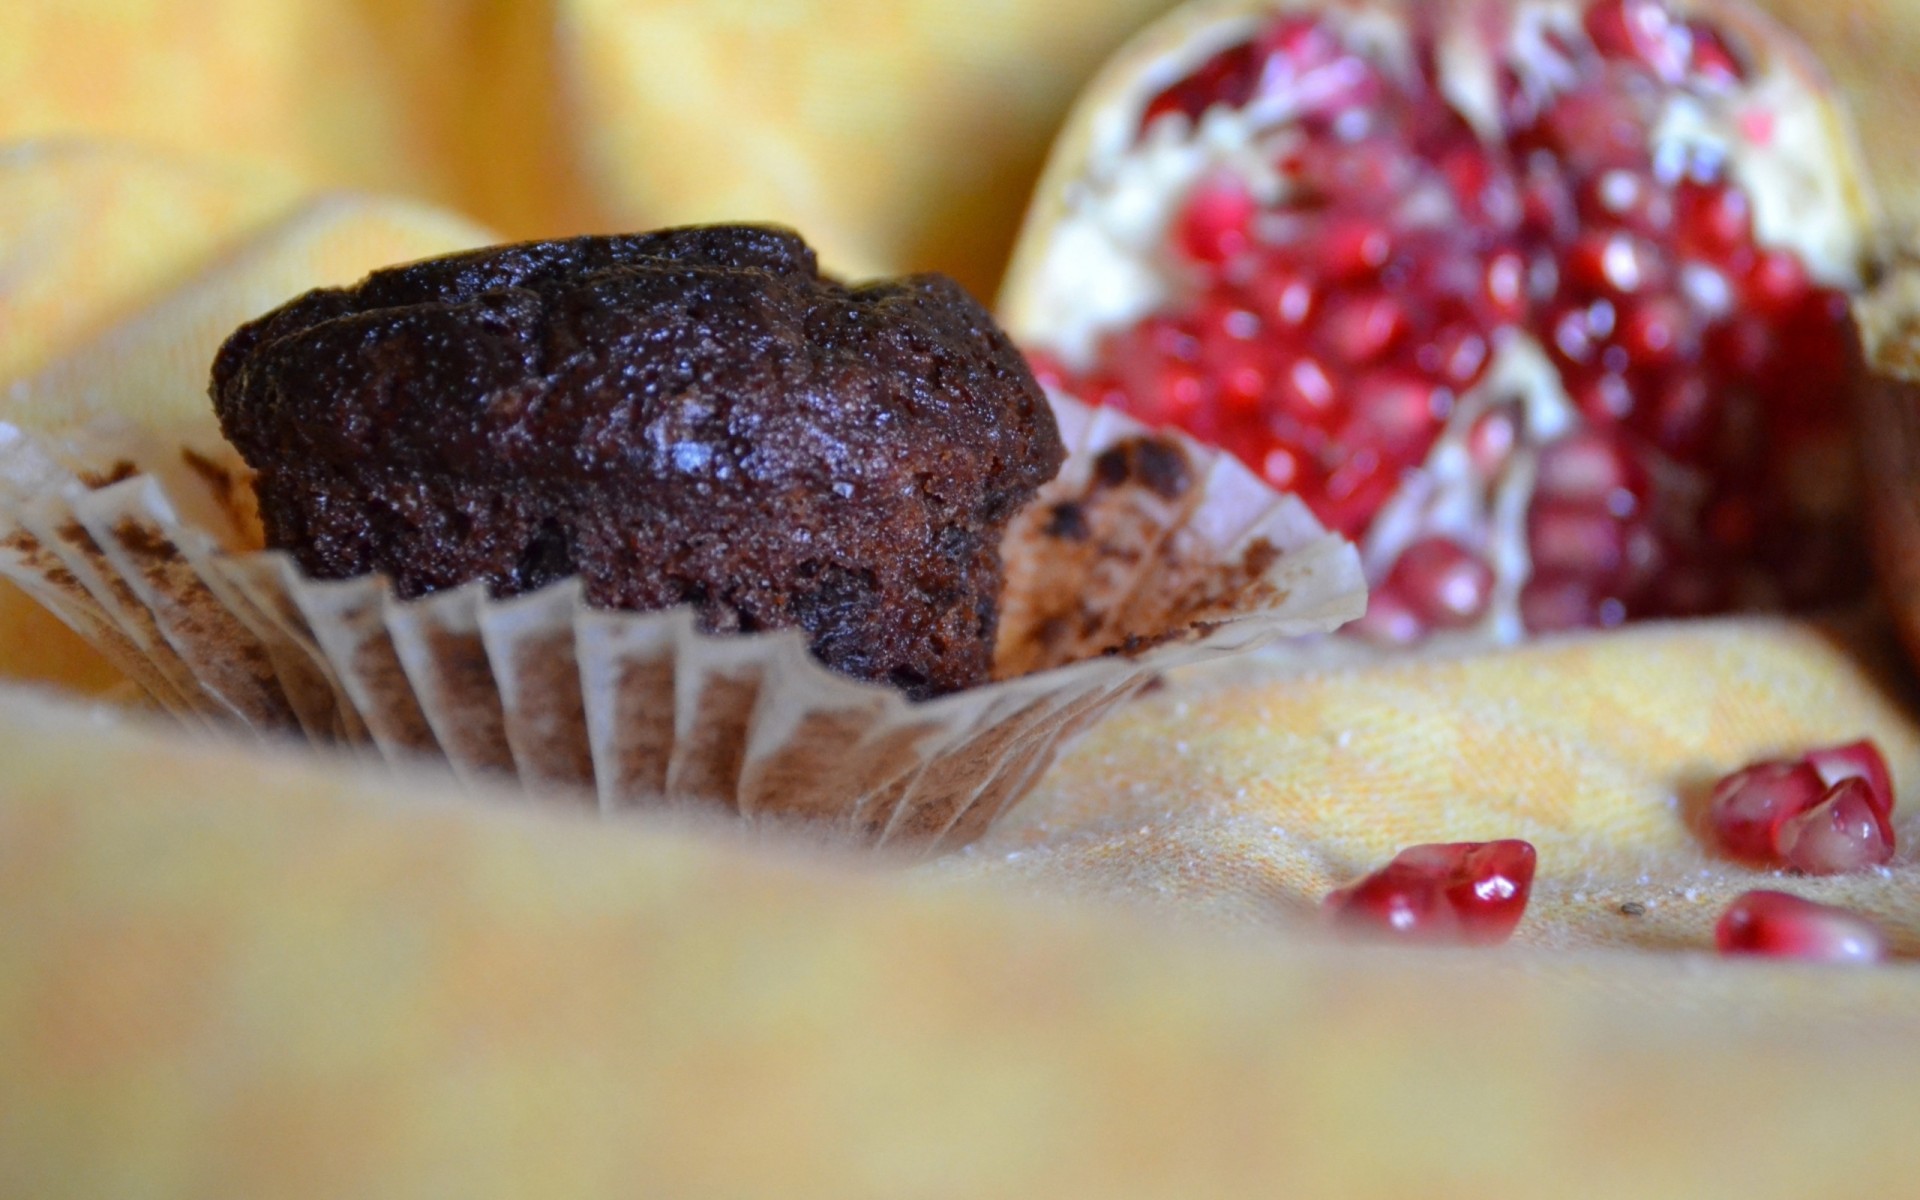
[1467, 892]
[1548, 300]
[1778, 925]
[1824, 813]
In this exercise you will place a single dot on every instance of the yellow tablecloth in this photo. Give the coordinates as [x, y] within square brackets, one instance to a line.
[234, 971]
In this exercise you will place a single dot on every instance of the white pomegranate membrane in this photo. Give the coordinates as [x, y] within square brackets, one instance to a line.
[1529, 348]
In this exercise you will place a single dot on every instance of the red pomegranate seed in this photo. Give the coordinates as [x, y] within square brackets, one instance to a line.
[1281, 293]
[1590, 465]
[1572, 334]
[1643, 30]
[1856, 760]
[1575, 538]
[1491, 441]
[1682, 416]
[1596, 127]
[1555, 603]
[1396, 412]
[1354, 491]
[1443, 582]
[1713, 59]
[1304, 390]
[1615, 262]
[1627, 199]
[1731, 523]
[1483, 188]
[1547, 203]
[1688, 590]
[1227, 78]
[1749, 806]
[1243, 372]
[1506, 287]
[1456, 354]
[1604, 398]
[1468, 892]
[1216, 225]
[1295, 45]
[1715, 220]
[1389, 620]
[1777, 281]
[1778, 925]
[1282, 468]
[1360, 327]
[1047, 369]
[1741, 348]
[1658, 331]
[1845, 831]
[1646, 563]
[1353, 247]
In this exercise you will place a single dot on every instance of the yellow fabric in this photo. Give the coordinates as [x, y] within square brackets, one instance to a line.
[231, 973]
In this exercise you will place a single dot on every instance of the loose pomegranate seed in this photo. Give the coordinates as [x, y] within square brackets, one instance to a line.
[1749, 806]
[1778, 925]
[1826, 812]
[1856, 760]
[1845, 831]
[1469, 892]
[1325, 336]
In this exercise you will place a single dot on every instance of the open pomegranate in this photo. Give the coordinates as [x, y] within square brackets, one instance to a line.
[1543, 302]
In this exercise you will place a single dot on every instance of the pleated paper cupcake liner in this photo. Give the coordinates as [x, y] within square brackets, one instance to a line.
[1148, 552]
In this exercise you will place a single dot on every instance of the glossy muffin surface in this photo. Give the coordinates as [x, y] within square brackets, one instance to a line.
[689, 416]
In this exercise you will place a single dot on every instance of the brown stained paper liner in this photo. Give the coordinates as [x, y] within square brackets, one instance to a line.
[1148, 552]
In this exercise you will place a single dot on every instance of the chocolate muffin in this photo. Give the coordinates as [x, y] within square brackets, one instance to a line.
[693, 416]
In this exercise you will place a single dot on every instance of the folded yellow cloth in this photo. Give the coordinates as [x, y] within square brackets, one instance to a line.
[228, 973]
[224, 972]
